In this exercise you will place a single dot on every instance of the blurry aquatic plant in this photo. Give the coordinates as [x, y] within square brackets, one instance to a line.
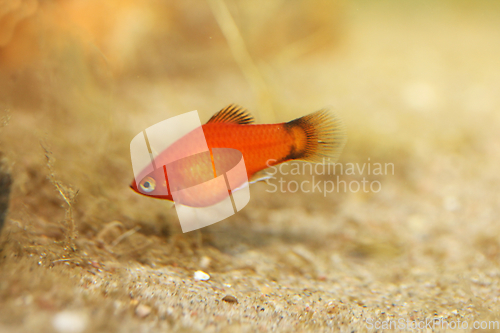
[5, 183]
[270, 32]
[243, 58]
[5, 176]
[68, 193]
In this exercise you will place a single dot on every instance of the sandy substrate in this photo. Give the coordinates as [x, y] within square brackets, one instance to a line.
[418, 87]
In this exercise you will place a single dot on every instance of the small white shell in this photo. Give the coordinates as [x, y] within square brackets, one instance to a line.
[201, 276]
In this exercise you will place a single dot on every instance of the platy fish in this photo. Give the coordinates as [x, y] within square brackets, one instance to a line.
[316, 138]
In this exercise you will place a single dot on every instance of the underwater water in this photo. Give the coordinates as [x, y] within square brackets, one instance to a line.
[404, 227]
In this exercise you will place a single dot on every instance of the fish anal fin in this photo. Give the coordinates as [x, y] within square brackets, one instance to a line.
[233, 114]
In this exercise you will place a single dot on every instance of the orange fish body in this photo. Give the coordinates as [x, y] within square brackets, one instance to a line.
[311, 138]
[259, 144]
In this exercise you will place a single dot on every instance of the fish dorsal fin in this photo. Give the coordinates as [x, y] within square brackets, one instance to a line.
[233, 114]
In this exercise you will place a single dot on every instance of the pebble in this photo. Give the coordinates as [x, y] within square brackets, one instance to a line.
[70, 322]
[230, 299]
[201, 276]
[142, 310]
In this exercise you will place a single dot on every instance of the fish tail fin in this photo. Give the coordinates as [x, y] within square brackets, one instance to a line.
[319, 137]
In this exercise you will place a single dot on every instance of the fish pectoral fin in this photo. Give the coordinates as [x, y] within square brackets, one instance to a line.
[240, 187]
[260, 176]
[233, 114]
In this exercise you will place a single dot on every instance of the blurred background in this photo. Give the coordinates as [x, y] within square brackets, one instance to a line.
[416, 82]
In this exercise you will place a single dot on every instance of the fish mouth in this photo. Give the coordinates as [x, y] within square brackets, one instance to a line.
[133, 186]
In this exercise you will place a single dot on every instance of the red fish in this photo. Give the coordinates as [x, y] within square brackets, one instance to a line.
[315, 138]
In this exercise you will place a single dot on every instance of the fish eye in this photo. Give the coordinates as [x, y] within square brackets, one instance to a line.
[148, 184]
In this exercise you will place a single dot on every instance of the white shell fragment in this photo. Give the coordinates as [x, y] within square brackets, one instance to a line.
[70, 322]
[201, 276]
